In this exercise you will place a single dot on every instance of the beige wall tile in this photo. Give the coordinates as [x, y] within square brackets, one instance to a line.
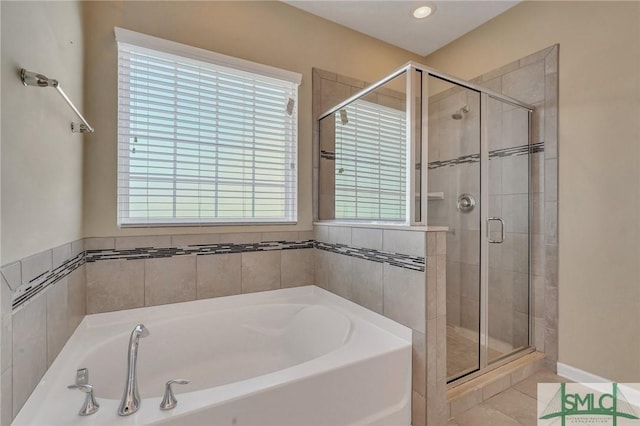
[77, 247]
[169, 280]
[321, 233]
[525, 84]
[296, 267]
[260, 271]
[441, 285]
[404, 242]
[366, 238]
[367, 284]
[515, 179]
[325, 75]
[305, 235]
[340, 235]
[404, 296]
[6, 397]
[332, 93]
[6, 334]
[442, 243]
[340, 274]
[194, 239]
[419, 363]
[431, 287]
[551, 222]
[432, 244]
[36, 265]
[219, 275]
[241, 237]
[280, 236]
[441, 359]
[60, 254]
[551, 179]
[113, 285]
[320, 270]
[143, 241]
[12, 275]
[29, 349]
[57, 318]
[418, 417]
[76, 298]
[535, 57]
[103, 243]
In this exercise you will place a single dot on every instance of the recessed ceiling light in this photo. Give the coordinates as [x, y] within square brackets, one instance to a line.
[422, 12]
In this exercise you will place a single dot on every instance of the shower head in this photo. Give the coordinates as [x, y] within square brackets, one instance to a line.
[459, 114]
[30, 78]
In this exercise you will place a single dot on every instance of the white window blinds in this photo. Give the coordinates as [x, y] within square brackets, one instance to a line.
[371, 161]
[203, 143]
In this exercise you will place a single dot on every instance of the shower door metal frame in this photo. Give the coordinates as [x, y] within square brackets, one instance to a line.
[412, 136]
[485, 364]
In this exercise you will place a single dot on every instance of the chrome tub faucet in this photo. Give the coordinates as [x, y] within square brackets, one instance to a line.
[131, 398]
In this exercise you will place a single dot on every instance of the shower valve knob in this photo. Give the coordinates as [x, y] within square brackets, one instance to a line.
[466, 203]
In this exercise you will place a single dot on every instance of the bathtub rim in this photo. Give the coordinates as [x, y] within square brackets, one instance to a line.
[401, 338]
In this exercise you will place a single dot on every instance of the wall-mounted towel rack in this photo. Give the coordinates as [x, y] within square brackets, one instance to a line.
[38, 80]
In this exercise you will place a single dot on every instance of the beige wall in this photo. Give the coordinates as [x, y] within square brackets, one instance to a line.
[41, 159]
[271, 33]
[599, 165]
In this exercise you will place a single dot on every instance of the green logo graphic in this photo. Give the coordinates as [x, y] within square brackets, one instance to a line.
[564, 405]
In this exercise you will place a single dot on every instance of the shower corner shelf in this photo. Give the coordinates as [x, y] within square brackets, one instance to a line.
[435, 195]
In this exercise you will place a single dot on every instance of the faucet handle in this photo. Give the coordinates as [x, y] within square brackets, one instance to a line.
[90, 405]
[82, 376]
[169, 401]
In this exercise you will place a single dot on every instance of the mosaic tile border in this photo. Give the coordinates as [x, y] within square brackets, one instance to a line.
[415, 263]
[498, 153]
[197, 249]
[27, 291]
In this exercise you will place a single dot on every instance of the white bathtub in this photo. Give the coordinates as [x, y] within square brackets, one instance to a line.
[299, 356]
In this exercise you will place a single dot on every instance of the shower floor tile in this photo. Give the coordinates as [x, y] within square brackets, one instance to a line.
[462, 352]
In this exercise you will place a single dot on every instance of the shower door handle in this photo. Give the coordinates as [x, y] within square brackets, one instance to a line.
[497, 219]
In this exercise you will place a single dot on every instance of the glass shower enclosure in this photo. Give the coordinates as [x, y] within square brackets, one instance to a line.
[422, 148]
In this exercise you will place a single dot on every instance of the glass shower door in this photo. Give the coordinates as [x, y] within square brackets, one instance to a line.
[507, 225]
[478, 185]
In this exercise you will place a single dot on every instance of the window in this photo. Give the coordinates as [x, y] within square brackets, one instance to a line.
[203, 138]
[371, 158]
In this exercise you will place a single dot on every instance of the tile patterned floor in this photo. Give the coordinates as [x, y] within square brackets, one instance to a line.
[462, 353]
[514, 407]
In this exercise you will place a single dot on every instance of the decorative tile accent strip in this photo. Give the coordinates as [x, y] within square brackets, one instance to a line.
[31, 289]
[498, 153]
[199, 250]
[415, 263]
[27, 291]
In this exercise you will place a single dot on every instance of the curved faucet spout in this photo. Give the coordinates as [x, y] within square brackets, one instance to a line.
[131, 398]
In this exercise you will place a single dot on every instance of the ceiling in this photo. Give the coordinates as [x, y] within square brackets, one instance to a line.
[392, 20]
